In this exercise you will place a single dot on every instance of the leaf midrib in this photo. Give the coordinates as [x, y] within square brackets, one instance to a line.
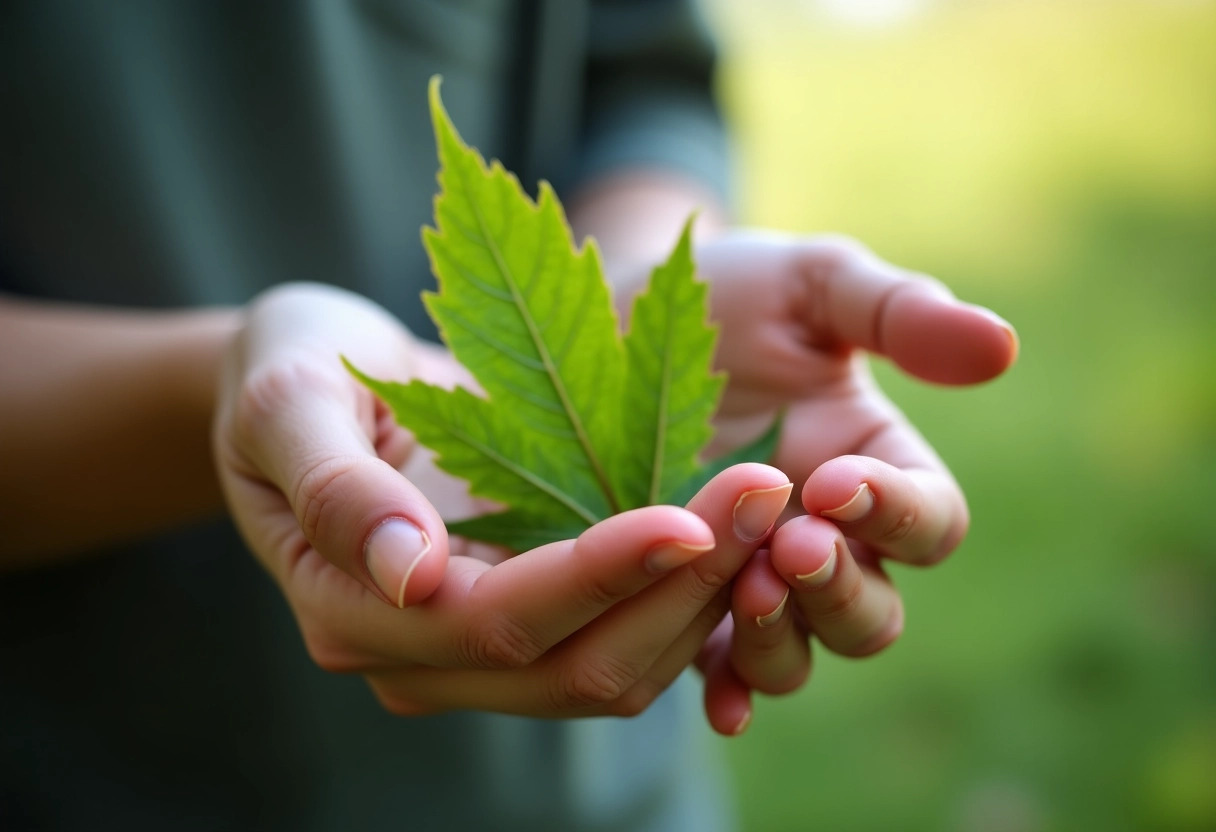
[523, 473]
[551, 372]
[660, 439]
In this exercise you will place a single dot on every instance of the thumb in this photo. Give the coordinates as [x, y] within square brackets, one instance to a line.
[363, 516]
[298, 456]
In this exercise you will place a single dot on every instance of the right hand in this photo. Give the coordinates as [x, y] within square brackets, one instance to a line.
[310, 461]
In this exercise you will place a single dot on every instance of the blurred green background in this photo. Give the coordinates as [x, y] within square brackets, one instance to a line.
[1057, 162]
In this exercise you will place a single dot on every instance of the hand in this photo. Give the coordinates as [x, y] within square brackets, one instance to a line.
[796, 316]
[309, 461]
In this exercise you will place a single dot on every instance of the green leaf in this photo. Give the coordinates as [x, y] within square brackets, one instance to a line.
[671, 391]
[762, 449]
[494, 455]
[529, 316]
[577, 423]
[514, 529]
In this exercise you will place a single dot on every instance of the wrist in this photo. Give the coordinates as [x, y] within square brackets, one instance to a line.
[189, 364]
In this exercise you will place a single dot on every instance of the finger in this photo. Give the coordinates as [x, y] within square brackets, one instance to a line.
[728, 699]
[507, 615]
[653, 636]
[309, 431]
[741, 505]
[853, 610]
[574, 680]
[855, 298]
[768, 652]
[524, 606]
[915, 515]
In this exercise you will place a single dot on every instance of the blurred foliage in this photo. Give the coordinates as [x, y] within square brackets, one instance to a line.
[1057, 162]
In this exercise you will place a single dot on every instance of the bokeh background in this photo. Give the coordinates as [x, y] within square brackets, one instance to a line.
[1055, 160]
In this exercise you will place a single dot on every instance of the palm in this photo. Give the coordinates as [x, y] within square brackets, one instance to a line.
[782, 353]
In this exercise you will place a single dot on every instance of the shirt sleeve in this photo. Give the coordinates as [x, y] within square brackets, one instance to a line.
[649, 93]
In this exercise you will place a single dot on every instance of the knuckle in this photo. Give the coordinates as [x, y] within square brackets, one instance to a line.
[599, 680]
[835, 255]
[501, 642]
[915, 539]
[266, 391]
[596, 592]
[927, 284]
[706, 581]
[841, 606]
[839, 249]
[317, 490]
[901, 525]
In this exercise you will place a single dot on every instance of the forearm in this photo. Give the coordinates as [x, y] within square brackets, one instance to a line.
[104, 424]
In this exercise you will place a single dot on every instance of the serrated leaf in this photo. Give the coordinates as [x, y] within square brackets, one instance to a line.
[670, 391]
[525, 312]
[762, 449]
[494, 456]
[579, 423]
[514, 529]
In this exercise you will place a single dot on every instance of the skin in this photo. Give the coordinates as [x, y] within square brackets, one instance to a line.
[572, 629]
[310, 465]
[104, 425]
[798, 315]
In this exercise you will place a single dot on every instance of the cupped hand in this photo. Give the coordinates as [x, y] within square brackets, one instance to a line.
[797, 318]
[312, 463]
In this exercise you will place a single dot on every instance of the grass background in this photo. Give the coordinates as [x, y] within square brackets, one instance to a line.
[1057, 162]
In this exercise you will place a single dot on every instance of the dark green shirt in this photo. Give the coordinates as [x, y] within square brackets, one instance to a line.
[163, 155]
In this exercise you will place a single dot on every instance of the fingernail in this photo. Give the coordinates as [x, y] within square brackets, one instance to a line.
[757, 510]
[819, 577]
[668, 556]
[774, 616]
[857, 507]
[392, 552]
[742, 724]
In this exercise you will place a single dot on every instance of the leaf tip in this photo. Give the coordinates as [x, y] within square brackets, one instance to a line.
[684, 244]
[351, 368]
[445, 131]
[438, 113]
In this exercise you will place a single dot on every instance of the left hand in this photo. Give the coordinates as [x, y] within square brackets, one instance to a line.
[797, 316]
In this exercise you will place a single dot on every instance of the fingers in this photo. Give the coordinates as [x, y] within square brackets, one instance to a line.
[508, 615]
[853, 610]
[633, 648]
[769, 652]
[853, 297]
[664, 629]
[549, 593]
[660, 631]
[915, 515]
[728, 699]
